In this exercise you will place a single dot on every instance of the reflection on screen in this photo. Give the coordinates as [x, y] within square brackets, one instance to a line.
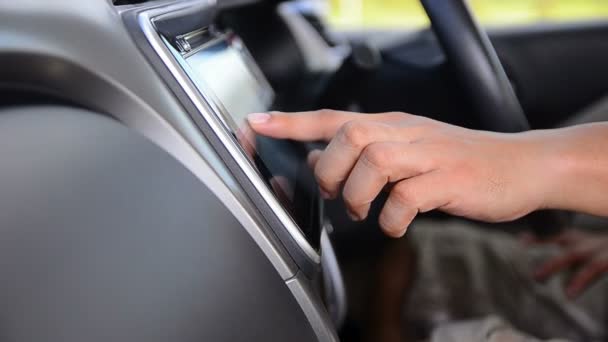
[222, 70]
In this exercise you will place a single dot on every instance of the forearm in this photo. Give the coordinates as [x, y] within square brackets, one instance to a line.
[576, 164]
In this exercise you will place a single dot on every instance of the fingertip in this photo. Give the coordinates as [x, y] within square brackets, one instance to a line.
[324, 194]
[256, 119]
[353, 216]
[390, 229]
[396, 218]
[268, 124]
[313, 158]
[395, 233]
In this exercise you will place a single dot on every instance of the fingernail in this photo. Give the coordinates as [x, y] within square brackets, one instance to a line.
[258, 118]
[324, 194]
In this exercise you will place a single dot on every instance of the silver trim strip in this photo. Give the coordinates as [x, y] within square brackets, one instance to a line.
[313, 309]
[145, 20]
[333, 282]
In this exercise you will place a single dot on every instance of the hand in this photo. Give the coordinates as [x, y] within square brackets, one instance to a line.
[586, 252]
[429, 164]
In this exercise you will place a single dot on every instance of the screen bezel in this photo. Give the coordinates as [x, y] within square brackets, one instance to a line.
[221, 113]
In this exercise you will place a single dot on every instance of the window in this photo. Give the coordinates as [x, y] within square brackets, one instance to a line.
[357, 14]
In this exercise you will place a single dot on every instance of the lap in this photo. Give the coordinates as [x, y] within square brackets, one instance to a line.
[491, 329]
[465, 272]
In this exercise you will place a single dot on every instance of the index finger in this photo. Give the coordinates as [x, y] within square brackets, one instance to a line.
[309, 126]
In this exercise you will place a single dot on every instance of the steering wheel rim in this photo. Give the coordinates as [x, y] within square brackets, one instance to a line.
[477, 66]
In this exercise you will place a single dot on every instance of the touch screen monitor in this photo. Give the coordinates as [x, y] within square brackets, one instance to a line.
[228, 74]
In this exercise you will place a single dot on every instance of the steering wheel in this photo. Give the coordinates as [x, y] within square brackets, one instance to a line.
[476, 63]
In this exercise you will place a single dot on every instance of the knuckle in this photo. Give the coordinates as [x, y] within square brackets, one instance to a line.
[355, 133]
[377, 156]
[402, 195]
[328, 118]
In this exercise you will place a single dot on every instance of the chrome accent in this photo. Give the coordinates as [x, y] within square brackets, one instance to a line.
[312, 307]
[195, 40]
[209, 113]
[190, 36]
[183, 45]
[333, 282]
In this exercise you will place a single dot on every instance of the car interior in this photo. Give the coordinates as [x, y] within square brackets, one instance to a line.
[136, 206]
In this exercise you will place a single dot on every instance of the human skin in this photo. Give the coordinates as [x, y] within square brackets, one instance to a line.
[584, 252]
[430, 165]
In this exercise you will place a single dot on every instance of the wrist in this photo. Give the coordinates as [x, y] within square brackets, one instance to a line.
[573, 169]
[547, 165]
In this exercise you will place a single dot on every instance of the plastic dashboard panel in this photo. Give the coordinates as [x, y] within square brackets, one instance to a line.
[97, 245]
[82, 52]
[144, 22]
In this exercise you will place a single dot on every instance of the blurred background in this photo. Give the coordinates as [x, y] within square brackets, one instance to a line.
[386, 14]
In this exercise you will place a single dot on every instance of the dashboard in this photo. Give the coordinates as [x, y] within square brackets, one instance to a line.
[213, 73]
[136, 203]
[171, 72]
